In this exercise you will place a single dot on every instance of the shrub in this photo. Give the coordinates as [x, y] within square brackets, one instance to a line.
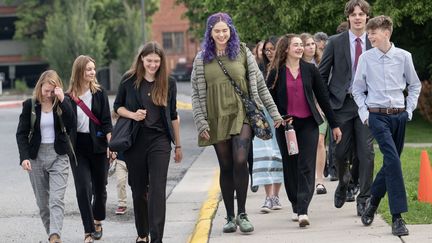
[20, 86]
[425, 100]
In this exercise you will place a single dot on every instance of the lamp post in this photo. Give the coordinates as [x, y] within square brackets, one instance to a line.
[143, 20]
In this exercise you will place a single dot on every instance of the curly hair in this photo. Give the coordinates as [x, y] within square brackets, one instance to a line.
[281, 55]
[209, 46]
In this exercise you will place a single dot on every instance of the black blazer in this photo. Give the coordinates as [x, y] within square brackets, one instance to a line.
[100, 108]
[129, 97]
[337, 60]
[29, 150]
[312, 84]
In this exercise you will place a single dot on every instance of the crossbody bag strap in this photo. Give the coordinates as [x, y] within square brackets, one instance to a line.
[86, 110]
[63, 129]
[234, 84]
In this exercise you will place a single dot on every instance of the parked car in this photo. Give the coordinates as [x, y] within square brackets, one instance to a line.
[182, 72]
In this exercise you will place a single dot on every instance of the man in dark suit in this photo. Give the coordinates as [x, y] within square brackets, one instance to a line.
[337, 68]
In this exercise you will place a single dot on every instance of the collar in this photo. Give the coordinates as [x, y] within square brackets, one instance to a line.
[353, 37]
[390, 53]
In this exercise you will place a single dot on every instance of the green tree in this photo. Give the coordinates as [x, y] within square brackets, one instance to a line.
[70, 32]
[131, 27]
[30, 27]
[115, 16]
[256, 20]
[105, 15]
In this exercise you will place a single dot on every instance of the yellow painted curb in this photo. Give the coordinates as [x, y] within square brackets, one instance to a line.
[184, 105]
[208, 210]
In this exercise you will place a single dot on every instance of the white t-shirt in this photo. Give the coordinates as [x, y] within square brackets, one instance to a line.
[83, 120]
[47, 127]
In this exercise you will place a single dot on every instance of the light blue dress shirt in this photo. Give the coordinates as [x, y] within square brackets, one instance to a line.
[385, 76]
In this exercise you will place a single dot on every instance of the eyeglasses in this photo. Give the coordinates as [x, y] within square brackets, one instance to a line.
[268, 50]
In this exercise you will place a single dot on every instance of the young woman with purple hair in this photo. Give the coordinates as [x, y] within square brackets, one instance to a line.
[219, 113]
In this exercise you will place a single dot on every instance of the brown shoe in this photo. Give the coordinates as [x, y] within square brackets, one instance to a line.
[88, 238]
[54, 238]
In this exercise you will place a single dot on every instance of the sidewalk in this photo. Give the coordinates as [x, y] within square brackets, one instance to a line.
[328, 224]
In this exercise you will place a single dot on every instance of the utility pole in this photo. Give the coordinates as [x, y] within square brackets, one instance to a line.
[143, 20]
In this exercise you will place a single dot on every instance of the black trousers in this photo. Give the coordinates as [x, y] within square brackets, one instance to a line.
[147, 161]
[355, 136]
[90, 177]
[299, 170]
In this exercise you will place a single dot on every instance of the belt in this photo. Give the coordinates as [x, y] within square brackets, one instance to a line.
[388, 111]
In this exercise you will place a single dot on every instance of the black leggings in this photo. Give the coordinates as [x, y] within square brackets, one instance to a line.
[232, 155]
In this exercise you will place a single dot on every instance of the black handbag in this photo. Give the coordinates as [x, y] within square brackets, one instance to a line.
[123, 134]
[256, 117]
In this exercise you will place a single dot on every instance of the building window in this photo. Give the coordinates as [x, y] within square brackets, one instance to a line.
[173, 41]
[7, 28]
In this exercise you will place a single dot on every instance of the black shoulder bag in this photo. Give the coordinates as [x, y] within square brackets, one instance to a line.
[256, 117]
[123, 134]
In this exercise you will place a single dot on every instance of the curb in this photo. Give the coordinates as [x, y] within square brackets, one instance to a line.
[201, 232]
[11, 104]
[184, 106]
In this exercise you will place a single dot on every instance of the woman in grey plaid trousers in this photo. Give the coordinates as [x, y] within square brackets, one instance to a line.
[43, 144]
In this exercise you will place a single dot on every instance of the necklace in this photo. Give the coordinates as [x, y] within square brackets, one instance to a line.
[220, 53]
[149, 85]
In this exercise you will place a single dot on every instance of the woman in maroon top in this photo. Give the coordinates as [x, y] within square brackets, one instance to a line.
[293, 83]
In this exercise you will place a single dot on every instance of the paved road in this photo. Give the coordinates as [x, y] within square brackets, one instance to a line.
[19, 219]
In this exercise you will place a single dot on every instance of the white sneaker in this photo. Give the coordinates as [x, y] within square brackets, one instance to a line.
[294, 217]
[303, 220]
[276, 205]
[266, 207]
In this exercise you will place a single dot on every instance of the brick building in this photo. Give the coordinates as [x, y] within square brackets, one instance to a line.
[171, 31]
[14, 62]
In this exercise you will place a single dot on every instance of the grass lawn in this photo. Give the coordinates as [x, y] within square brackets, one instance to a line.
[418, 130]
[418, 213]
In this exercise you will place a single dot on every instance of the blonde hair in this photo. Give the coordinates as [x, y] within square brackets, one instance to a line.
[159, 93]
[77, 76]
[50, 77]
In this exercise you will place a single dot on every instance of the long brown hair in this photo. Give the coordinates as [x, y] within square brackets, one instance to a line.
[51, 77]
[76, 82]
[306, 36]
[281, 54]
[159, 91]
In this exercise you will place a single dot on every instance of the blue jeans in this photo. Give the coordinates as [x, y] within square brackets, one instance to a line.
[389, 132]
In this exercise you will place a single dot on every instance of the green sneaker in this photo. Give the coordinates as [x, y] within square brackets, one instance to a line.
[243, 223]
[230, 225]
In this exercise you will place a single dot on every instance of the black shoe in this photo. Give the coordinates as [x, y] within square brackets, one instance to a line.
[350, 196]
[340, 195]
[361, 207]
[97, 235]
[399, 228]
[254, 188]
[356, 189]
[369, 214]
[333, 177]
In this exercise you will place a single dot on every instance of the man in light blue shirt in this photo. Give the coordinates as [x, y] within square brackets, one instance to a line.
[383, 73]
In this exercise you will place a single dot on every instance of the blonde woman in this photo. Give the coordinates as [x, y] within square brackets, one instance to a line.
[311, 55]
[93, 132]
[43, 148]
